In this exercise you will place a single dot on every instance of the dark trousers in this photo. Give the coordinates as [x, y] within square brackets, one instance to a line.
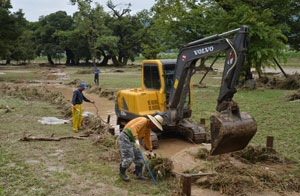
[96, 80]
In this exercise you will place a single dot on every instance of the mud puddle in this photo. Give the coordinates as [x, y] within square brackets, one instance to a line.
[170, 146]
[105, 106]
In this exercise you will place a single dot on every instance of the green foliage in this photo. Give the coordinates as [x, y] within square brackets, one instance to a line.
[129, 30]
[11, 27]
[266, 36]
[184, 21]
[90, 22]
[188, 20]
[25, 47]
[48, 43]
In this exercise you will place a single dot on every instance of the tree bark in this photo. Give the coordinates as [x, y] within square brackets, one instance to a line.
[121, 61]
[50, 59]
[7, 61]
[70, 57]
[259, 71]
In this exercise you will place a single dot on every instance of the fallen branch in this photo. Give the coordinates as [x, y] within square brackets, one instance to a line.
[97, 113]
[195, 175]
[29, 138]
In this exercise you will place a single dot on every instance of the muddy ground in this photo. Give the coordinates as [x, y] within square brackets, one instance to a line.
[182, 153]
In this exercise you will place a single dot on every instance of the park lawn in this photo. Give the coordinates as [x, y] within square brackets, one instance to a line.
[69, 167]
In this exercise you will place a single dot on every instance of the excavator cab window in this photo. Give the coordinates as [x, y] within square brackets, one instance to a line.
[151, 76]
[169, 71]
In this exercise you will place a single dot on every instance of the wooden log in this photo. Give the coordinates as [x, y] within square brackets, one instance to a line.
[51, 138]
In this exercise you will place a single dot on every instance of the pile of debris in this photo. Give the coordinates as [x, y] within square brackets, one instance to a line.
[294, 96]
[292, 82]
[95, 89]
[237, 175]
[258, 154]
[29, 93]
[75, 82]
[84, 71]
[6, 108]
[161, 168]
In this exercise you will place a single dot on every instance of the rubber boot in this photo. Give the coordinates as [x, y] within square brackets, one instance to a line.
[123, 174]
[138, 173]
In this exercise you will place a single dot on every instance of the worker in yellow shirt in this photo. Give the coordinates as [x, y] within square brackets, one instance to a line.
[129, 143]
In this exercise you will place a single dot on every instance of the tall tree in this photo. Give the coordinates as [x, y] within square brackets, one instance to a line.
[45, 33]
[24, 48]
[193, 19]
[266, 30]
[91, 22]
[129, 31]
[152, 40]
[10, 28]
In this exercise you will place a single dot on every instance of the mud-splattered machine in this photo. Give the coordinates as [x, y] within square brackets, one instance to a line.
[166, 87]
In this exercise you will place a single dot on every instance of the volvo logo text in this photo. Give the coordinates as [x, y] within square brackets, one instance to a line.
[204, 50]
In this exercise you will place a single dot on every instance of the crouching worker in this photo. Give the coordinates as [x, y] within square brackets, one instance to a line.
[77, 99]
[129, 143]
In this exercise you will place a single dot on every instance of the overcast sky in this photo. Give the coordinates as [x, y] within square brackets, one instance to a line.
[33, 9]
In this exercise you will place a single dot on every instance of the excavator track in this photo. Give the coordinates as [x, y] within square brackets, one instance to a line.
[193, 133]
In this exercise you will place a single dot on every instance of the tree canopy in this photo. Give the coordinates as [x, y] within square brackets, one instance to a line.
[95, 35]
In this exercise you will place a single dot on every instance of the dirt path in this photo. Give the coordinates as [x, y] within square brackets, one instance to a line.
[105, 106]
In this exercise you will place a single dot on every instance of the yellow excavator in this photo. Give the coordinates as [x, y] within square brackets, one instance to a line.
[167, 90]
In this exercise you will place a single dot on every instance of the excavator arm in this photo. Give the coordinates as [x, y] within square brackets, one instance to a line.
[230, 130]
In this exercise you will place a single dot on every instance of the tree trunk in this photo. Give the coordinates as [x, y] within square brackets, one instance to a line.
[70, 57]
[124, 60]
[259, 71]
[121, 61]
[115, 61]
[7, 61]
[248, 74]
[104, 62]
[50, 59]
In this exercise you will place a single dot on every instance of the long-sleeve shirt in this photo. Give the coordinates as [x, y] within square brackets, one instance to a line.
[96, 72]
[78, 97]
[139, 128]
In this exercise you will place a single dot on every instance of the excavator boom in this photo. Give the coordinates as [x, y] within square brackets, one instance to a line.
[230, 130]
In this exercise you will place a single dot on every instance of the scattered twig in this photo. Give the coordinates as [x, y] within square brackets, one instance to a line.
[97, 113]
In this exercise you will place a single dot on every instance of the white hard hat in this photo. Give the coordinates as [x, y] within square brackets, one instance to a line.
[157, 120]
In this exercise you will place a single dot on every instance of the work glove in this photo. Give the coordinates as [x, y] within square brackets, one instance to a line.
[137, 144]
[152, 155]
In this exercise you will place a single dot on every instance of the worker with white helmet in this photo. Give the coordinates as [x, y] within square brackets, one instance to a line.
[129, 142]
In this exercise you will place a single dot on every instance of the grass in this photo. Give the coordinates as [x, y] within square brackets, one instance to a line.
[130, 78]
[14, 76]
[56, 168]
[73, 167]
[274, 115]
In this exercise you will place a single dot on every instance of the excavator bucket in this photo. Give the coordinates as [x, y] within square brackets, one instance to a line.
[230, 133]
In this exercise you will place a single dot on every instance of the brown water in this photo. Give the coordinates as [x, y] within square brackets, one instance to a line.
[105, 106]
[170, 146]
